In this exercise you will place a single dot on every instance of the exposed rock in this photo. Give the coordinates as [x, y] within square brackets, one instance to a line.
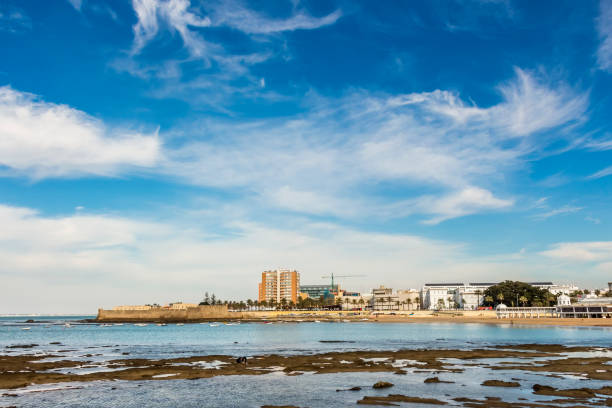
[382, 384]
[390, 399]
[23, 346]
[351, 389]
[573, 393]
[499, 383]
[435, 380]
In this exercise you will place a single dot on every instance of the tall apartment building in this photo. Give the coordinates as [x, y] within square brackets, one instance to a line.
[279, 284]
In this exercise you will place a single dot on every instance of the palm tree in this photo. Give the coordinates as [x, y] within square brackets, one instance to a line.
[354, 301]
[408, 302]
[417, 300]
[500, 297]
[346, 302]
[361, 303]
[488, 299]
[478, 293]
[523, 300]
[283, 303]
[249, 303]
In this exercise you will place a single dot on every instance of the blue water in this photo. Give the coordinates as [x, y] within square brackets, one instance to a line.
[285, 338]
[94, 342]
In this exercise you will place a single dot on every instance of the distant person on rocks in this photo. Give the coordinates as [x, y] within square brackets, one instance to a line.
[242, 360]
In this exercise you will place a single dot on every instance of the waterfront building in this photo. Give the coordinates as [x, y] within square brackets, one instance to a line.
[564, 289]
[439, 295]
[466, 296]
[279, 284]
[384, 299]
[563, 300]
[316, 291]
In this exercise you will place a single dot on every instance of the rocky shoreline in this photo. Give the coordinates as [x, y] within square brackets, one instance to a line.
[23, 370]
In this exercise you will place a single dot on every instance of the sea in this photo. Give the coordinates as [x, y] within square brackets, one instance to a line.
[116, 341]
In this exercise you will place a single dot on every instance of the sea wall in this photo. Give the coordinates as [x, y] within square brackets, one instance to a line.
[199, 313]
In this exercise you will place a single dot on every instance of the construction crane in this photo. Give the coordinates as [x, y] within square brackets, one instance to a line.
[332, 276]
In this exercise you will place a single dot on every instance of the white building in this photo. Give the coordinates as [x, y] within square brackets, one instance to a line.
[563, 300]
[467, 296]
[565, 289]
[384, 299]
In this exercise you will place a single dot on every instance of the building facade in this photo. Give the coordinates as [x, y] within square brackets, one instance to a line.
[316, 291]
[279, 284]
[467, 296]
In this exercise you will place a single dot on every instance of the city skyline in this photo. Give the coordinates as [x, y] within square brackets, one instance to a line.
[157, 149]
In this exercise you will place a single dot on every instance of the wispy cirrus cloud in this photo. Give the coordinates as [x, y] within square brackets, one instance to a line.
[235, 15]
[442, 155]
[601, 173]
[604, 29]
[564, 210]
[40, 140]
[180, 16]
[220, 73]
[432, 140]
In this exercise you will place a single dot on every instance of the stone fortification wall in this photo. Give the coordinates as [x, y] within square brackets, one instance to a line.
[168, 315]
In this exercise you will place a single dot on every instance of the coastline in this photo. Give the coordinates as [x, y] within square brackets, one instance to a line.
[420, 316]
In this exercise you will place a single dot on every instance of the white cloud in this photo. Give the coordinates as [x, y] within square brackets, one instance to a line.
[604, 28]
[601, 173]
[433, 139]
[59, 259]
[77, 4]
[581, 251]
[327, 161]
[467, 201]
[170, 260]
[234, 14]
[181, 17]
[173, 13]
[42, 139]
[565, 210]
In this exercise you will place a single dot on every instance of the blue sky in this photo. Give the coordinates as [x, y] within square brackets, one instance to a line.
[151, 150]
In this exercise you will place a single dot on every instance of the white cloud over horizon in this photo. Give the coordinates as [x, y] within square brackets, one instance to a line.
[59, 259]
[597, 251]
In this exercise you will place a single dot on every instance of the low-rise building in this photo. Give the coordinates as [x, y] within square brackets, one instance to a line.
[133, 307]
[181, 305]
[563, 300]
[467, 296]
[316, 291]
